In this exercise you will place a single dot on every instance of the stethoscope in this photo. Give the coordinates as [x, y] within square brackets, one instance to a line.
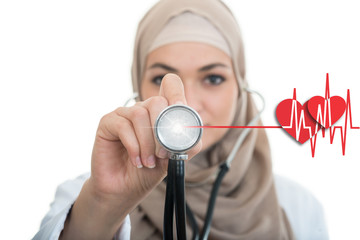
[178, 128]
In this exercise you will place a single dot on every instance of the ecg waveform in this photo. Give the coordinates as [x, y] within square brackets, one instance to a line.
[302, 132]
[332, 129]
[303, 124]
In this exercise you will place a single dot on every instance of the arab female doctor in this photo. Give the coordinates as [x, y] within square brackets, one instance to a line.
[186, 52]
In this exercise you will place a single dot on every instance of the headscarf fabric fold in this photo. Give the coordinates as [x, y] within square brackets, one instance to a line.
[246, 206]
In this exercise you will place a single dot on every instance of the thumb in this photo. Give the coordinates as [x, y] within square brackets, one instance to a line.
[172, 89]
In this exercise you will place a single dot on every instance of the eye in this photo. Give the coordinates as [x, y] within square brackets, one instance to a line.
[157, 80]
[214, 79]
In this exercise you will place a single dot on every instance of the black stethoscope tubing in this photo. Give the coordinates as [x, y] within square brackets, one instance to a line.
[175, 197]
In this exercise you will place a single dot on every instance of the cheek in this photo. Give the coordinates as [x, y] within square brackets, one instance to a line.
[220, 111]
[222, 107]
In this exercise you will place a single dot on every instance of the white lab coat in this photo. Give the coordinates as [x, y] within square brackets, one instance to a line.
[303, 210]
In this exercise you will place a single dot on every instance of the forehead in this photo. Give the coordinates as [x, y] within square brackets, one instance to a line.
[184, 54]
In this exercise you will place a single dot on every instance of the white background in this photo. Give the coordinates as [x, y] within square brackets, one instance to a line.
[64, 64]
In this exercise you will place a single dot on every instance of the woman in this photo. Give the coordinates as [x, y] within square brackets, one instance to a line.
[189, 52]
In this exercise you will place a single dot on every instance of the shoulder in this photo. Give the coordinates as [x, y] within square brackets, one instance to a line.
[303, 210]
[66, 193]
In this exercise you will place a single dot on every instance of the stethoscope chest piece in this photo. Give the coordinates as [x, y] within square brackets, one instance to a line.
[178, 129]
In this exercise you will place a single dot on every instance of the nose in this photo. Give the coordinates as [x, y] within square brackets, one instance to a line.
[193, 96]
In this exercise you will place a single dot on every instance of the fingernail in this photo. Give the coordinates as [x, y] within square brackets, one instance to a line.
[179, 102]
[163, 153]
[138, 162]
[151, 162]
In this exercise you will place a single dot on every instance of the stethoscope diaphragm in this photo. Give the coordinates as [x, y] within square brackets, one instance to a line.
[178, 128]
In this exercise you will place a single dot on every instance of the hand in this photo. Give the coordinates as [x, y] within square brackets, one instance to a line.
[127, 161]
[125, 142]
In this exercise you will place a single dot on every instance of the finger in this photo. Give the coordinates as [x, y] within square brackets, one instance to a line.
[140, 119]
[172, 89]
[114, 128]
[155, 105]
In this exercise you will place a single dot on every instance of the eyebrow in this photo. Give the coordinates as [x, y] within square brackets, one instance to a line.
[164, 66]
[211, 66]
[202, 69]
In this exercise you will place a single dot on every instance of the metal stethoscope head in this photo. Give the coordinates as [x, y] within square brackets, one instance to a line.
[178, 129]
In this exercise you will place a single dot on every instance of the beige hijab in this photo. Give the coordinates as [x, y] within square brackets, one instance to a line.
[247, 206]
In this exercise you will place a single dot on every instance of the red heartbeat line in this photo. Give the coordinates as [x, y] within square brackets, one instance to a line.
[233, 126]
[343, 129]
[321, 118]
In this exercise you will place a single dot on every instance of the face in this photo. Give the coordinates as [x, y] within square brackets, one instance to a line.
[209, 82]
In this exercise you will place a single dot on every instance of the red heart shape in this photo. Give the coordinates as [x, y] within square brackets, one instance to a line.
[296, 120]
[326, 111]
